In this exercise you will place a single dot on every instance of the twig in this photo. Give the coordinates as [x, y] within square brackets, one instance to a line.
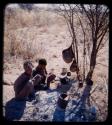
[93, 90]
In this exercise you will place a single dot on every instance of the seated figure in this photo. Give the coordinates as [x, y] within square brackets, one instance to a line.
[46, 78]
[24, 85]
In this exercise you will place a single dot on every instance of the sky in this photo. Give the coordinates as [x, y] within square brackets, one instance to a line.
[40, 5]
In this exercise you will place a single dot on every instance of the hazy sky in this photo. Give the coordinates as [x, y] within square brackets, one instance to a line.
[39, 5]
[44, 5]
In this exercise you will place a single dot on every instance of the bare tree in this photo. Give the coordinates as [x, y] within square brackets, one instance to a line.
[98, 20]
[94, 22]
[97, 16]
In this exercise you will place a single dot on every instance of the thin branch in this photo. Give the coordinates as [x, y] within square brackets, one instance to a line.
[66, 11]
[92, 18]
[74, 37]
[84, 46]
[87, 14]
[102, 38]
[104, 15]
[102, 29]
[101, 46]
[66, 19]
[68, 24]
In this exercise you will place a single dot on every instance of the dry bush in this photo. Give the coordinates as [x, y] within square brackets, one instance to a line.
[19, 18]
[20, 44]
[21, 30]
[25, 48]
[14, 42]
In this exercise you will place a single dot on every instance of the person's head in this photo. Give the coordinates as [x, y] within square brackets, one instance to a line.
[28, 67]
[42, 63]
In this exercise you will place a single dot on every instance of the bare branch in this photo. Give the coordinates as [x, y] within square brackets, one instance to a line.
[84, 51]
[103, 17]
[102, 29]
[103, 34]
[87, 14]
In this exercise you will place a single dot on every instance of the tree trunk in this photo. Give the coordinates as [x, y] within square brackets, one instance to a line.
[88, 87]
[92, 64]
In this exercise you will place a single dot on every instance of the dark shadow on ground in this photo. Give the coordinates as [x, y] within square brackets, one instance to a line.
[59, 115]
[63, 88]
[14, 109]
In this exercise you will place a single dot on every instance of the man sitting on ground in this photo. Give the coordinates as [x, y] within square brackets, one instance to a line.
[24, 85]
[45, 77]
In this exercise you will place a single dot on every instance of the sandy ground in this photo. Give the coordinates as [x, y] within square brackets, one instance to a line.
[8, 93]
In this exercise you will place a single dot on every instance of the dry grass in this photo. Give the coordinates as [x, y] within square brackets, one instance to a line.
[21, 30]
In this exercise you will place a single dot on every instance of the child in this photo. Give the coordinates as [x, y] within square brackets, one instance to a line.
[41, 70]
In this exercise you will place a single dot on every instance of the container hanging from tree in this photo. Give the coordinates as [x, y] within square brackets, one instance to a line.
[68, 54]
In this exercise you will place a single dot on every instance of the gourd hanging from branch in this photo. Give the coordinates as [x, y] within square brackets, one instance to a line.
[74, 67]
[68, 54]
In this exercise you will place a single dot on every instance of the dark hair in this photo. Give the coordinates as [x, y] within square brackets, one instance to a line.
[26, 64]
[43, 62]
